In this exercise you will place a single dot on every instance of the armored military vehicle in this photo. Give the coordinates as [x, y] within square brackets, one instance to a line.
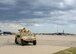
[25, 37]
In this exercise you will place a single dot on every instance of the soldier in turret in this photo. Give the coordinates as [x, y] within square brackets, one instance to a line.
[23, 31]
[29, 32]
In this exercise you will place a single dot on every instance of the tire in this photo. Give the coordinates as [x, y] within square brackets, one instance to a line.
[16, 41]
[22, 42]
[34, 42]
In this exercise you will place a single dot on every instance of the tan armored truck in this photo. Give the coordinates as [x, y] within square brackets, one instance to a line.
[25, 37]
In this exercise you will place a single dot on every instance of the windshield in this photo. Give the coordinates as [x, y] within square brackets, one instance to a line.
[28, 35]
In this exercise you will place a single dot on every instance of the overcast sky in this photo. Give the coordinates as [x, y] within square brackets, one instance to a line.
[38, 15]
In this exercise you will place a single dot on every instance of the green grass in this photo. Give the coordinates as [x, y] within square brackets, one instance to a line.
[71, 50]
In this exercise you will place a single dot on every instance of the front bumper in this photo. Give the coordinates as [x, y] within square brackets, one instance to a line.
[28, 38]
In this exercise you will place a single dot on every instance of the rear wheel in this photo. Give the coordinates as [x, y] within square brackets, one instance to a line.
[16, 41]
[34, 42]
[22, 42]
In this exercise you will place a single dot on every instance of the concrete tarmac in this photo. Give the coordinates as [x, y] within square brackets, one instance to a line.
[45, 45]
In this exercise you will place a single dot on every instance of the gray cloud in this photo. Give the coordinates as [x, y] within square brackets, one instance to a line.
[30, 12]
[8, 2]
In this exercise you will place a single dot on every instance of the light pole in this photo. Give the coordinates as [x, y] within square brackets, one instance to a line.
[57, 28]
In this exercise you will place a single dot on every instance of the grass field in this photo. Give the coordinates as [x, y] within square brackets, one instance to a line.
[71, 50]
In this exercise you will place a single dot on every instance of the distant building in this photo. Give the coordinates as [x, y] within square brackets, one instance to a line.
[7, 33]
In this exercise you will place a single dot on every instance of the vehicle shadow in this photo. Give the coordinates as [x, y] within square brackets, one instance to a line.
[13, 44]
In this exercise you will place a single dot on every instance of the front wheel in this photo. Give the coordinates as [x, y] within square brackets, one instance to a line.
[16, 41]
[22, 42]
[34, 42]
